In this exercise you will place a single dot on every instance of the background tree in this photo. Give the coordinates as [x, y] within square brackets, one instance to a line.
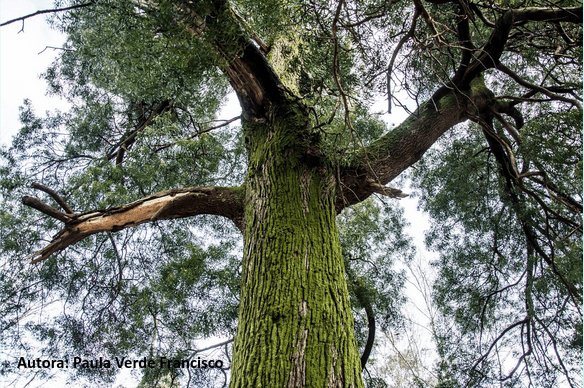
[141, 172]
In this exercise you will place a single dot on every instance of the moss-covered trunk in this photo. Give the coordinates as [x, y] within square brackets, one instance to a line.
[295, 324]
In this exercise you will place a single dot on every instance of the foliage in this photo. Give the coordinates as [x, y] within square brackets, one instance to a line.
[146, 86]
[489, 275]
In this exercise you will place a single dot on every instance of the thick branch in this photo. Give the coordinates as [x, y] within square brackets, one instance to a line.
[178, 203]
[378, 164]
[256, 83]
[465, 41]
[366, 303]
[491, 52]
[462, 98]
[364, 298]
[53, 195]
[489, 55]
[37, 204]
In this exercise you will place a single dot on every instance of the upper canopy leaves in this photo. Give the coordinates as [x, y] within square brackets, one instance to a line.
[146, 81]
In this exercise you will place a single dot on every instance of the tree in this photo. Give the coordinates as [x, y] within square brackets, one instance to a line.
[497, 91]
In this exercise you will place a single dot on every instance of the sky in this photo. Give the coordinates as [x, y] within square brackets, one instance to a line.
[21, 62]
[24, 56]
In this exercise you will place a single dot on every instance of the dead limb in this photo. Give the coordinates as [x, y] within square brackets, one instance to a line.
[176, 203]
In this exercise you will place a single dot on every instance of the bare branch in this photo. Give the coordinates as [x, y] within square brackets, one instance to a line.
[45, 11]
[200, 132]
[536, 88]
[513, 187]
[409, 34]
[53, 195]
[219, 344]
[336, 67]
[496, 340]
[37, 204]
[387, 191]
[54, 48]
[144, 120]
[177, 203]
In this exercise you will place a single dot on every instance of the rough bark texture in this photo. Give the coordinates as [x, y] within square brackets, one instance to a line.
[381, 162]
[295, 325]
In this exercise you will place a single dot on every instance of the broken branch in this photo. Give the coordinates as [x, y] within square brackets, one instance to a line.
[176, 203]
[53, 195]
[44, 11]
[37, 204]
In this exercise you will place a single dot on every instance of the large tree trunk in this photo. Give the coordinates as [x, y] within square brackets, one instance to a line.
[295, 324]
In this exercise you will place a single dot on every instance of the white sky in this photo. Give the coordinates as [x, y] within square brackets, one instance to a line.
[21, 64]
[20, 69]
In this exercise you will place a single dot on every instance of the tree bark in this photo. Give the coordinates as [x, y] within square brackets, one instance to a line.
[295, 326]
[176, 203]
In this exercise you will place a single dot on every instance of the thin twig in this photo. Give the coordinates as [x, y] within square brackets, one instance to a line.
[45, 11]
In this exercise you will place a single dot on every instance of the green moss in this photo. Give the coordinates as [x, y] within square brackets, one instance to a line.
[286, 60]
[295, 318]
[477, 90]
[477, 85]
[447, 102]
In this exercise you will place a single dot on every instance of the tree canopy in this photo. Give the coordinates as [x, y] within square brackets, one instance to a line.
[133, 203]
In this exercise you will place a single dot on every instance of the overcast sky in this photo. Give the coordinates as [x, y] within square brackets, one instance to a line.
[21, 64]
